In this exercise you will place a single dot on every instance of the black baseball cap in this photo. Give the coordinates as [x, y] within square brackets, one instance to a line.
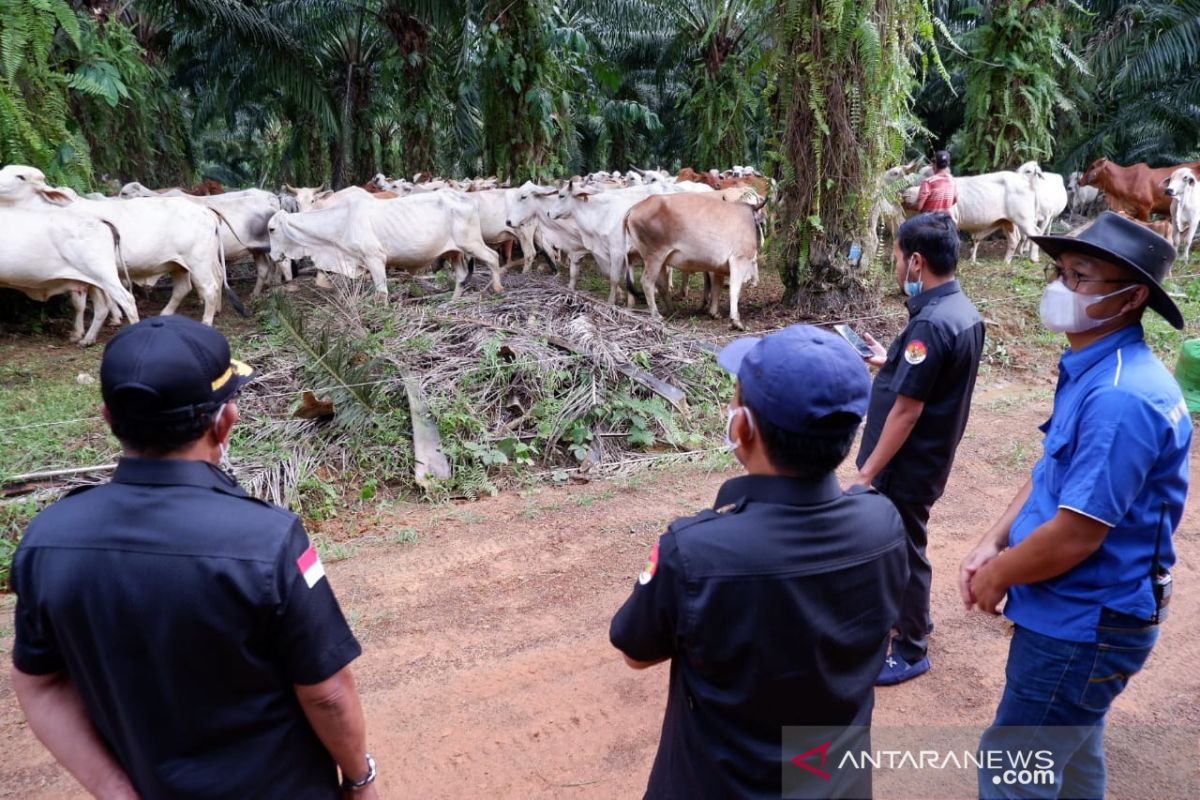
[169, 369]
[799, 376]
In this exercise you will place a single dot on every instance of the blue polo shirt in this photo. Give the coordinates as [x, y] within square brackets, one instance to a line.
[1116, 450]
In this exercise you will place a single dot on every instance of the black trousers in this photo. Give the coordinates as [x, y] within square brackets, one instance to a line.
[912, 629]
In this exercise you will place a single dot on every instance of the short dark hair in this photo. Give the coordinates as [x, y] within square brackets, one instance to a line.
[941, 159]
[935, 236]
[145, 434]
[809, 455]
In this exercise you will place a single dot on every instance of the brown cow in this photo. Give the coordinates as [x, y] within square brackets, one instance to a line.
[1137, 190]
[755, 182]
[694, 232]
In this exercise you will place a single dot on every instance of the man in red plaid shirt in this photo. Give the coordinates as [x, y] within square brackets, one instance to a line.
[938, 192]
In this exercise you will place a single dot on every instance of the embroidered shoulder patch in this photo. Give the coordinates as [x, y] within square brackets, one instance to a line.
[650, 568]
[915, 352]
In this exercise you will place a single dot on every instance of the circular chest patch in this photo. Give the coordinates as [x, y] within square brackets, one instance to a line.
[915, 352]
[651, 567]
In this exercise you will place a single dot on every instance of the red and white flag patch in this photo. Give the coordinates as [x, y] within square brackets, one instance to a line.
[310, 566]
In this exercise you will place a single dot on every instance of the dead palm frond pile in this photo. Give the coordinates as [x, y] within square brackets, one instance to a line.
[539, 381]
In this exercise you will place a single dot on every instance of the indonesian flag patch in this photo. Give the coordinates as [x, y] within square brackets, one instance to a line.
[310, 566]
[651, 567]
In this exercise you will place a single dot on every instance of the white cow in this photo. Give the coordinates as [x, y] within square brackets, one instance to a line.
[245, 213]
[531, 204]
[887, 207]
[492, 205]
[408, 232]
[598, 217]
[994, 201]
[57, 250]
[159, 235]
[1185, 208]
[1050, 197]
[1084, 199]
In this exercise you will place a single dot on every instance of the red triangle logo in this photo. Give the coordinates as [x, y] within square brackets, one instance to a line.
[823, 750]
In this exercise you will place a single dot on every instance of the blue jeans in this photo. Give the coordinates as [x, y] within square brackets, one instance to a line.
[1054, 702]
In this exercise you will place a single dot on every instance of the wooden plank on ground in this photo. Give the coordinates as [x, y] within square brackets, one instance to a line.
[427, 443]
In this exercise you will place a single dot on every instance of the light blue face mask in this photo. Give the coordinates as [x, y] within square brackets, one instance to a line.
[912, 288]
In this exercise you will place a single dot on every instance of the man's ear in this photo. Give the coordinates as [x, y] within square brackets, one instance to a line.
[104, 412]
[1138, 298]
[224, 423]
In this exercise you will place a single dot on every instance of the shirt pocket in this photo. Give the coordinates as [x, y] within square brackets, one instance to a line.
[1057, 462]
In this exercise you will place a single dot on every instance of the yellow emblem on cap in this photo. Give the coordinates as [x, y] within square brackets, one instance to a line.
[239, 368]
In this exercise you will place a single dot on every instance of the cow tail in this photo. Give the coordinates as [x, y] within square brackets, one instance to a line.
[234, 300]
[625, 266]
[124, 298]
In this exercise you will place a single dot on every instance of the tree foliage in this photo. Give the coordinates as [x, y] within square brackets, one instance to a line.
[1012, 95]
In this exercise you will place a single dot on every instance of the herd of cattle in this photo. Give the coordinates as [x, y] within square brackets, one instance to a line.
[1027, 201]
[94, 248]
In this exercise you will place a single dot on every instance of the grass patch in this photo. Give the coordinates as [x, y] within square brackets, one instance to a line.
[31, 436]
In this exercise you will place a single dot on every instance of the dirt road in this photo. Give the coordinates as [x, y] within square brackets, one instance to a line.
[487, 669]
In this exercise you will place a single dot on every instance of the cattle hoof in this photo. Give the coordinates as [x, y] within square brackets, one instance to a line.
[736, 324]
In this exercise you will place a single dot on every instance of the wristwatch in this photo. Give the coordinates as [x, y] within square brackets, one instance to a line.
[347, 783]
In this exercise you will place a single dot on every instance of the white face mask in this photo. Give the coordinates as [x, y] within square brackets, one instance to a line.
[1066, 312]
[733, 412]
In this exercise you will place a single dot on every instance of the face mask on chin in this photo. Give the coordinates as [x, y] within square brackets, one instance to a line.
[1066, 312]
[912, 288]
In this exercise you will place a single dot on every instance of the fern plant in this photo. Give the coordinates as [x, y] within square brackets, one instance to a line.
[1012, 93]
[35, 123]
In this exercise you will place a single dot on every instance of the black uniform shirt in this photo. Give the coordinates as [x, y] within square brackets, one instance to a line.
[775, 612]
[935, 359]
[178, 607]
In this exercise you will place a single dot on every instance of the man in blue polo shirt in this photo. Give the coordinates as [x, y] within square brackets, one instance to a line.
[774, 607]
[1084, 549]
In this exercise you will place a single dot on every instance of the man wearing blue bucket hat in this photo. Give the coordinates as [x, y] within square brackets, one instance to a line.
[1084, 550]
[774, 606]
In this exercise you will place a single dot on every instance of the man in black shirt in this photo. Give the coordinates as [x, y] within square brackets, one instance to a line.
[176, 638]
[919, 405]
[774, 607]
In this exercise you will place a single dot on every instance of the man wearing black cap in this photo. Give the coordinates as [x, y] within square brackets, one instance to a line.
[1084, 550]
[773, 607]
[176, 638]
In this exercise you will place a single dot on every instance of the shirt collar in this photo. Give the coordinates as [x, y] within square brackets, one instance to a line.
[915, 304]
[175, 472]
[779, 489]
[1073, 364]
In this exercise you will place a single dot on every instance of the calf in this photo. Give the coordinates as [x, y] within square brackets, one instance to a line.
[1185, 208]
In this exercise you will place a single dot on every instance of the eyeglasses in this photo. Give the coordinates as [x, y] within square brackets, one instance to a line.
[1071, 279]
